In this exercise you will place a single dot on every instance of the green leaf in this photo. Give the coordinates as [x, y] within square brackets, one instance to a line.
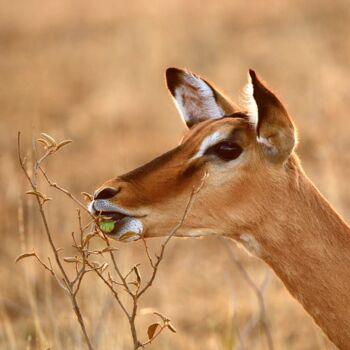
[107, 226]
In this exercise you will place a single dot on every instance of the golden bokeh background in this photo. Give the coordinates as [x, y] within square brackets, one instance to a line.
[94, 72]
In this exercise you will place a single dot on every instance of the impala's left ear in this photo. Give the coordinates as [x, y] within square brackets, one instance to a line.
[275, 130]
[195, 98]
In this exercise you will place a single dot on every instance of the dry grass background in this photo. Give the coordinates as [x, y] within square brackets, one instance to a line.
[93, 71]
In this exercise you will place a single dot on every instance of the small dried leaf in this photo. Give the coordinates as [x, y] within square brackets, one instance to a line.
[87, 238]
[36, 193]
[171, 327]
[138, 275]
[102, 218]
[104, 266]
[134, 283]
[23, 256]
[96, 264]
[49, 138]
[45, 143]
[63, 143]
[127, 235]
[152, 330]
[71, 259]
[109, 249]
[87, 196]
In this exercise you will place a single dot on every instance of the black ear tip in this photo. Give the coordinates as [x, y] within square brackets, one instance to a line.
[252, 74]
[172, 76]
[172, 70]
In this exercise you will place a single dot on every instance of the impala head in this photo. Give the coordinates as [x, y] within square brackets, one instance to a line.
[236, 155]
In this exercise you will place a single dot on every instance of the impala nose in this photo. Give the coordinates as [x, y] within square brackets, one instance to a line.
[106, 193]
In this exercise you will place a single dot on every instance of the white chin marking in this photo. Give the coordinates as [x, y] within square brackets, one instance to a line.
[127, 226]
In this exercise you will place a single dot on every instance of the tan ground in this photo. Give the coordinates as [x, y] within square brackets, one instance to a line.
[93, 72]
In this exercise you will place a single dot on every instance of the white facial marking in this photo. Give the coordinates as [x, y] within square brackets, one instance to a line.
[91, 208]
[248, 102]
[194, 104]
[209, 141]
[250, 243]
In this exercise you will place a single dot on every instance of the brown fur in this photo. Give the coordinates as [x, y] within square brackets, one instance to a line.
[266, 197]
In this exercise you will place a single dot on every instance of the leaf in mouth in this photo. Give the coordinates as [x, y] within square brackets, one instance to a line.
[107, 226]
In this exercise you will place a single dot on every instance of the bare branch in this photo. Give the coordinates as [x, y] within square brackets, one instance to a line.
[82, 259]
[66, 281]
[114, 292]
[26, 255]
[147, 252]
[172, 233]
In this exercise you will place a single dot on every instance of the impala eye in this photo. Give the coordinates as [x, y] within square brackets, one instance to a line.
[227, 150]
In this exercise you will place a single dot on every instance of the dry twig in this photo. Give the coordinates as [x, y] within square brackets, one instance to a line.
[83, 262]
[64, 281]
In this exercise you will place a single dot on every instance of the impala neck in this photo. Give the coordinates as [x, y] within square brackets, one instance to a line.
[308, 246]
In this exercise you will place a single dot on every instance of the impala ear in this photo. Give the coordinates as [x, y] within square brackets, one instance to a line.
[275, 130]
[195, 98]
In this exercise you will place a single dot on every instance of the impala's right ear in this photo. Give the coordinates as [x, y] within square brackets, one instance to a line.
[195, 98]
[275, 130]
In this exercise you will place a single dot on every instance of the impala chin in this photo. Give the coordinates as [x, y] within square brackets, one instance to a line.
[127, 230]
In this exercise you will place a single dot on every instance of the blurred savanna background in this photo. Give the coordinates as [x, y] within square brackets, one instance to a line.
[93, 72]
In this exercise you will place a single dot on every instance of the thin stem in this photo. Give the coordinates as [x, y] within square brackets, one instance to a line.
[115, 294]
[66, 279]
[72, 286]
[172, 233]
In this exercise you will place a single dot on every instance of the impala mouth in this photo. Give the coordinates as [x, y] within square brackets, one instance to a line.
[116, 223]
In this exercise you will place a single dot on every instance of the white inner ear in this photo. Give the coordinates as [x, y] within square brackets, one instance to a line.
[248, 102]
[195, 100]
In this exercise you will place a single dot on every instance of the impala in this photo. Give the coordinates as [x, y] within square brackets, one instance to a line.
[255, 192]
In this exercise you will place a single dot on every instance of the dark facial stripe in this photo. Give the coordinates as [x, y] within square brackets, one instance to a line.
[150, 167]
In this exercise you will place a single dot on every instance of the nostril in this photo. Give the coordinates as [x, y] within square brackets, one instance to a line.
[106, 193]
